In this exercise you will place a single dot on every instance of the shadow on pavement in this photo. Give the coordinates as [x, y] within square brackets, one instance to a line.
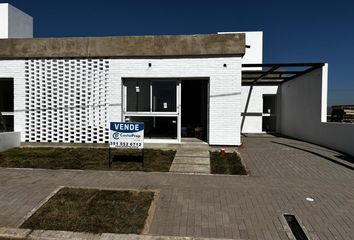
[344, 157]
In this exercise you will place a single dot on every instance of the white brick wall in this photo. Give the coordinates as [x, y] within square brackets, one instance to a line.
[253, 119]
[16, 69]
[224, 88]
[224, 91]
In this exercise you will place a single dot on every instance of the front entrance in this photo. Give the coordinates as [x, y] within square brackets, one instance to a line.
[269, 113]
[170, 108]
[194, 109]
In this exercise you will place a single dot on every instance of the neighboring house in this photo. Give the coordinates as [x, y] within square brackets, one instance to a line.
[212, 86]
[342, 113]
[14, 23]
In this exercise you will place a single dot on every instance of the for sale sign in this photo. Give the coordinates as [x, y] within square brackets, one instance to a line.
[126, 134]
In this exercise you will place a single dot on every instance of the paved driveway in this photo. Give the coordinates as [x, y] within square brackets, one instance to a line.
[283, 173]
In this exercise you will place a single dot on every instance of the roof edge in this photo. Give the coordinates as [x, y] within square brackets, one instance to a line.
[125, 46]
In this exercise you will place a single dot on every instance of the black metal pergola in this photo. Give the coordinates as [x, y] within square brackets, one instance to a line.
[274, 74]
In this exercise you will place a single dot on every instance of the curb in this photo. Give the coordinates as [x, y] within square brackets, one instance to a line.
[23, 234]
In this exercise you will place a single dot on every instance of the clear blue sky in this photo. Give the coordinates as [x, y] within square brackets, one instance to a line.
[294, 31]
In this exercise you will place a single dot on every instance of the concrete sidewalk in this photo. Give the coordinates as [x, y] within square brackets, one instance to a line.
[192, 157]
[284, 173]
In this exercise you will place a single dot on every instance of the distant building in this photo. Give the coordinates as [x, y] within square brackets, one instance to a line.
[342, 113]
[14, 23]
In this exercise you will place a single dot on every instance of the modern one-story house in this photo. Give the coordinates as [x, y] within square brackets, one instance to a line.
[211, 86]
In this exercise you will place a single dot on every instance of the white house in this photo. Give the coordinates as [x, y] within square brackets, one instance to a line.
[14, 23]
[212, 86]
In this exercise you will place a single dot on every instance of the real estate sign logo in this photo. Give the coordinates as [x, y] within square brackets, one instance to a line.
[126, 134]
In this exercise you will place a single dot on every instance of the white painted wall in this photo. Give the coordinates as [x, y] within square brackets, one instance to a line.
[303, 112]
[14, 23]
[9, 140]
[4, 18]
[254, 54]
[224, 88]
[16, 69]
[251, 120]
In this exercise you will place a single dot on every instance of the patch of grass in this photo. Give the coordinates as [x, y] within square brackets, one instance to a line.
[92, 210]
[15, 237]
[230, 164]
[8, 238]
[87, 158]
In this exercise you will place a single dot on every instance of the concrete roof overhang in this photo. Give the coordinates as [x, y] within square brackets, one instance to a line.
[276, 73]
[163, 46]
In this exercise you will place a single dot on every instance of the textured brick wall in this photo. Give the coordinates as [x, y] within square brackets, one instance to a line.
[72, 100]
[16, 69]
[224, 88]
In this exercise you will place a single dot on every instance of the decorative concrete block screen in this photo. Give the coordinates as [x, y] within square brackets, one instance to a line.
[66, 100]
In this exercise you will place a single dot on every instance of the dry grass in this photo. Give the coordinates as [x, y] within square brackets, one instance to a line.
[87, 158]
[92, 210]
[230, 164]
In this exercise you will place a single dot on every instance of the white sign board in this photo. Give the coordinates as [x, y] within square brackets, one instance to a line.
[126, 134]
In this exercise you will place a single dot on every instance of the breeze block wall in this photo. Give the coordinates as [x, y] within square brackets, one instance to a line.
[65, 100]
[224, 76]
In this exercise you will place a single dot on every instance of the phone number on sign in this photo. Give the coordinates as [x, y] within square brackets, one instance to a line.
[125, 144]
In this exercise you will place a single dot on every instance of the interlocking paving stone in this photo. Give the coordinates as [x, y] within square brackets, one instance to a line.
[283, 173]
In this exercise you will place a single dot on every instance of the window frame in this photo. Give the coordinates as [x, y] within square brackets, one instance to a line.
[150, 113]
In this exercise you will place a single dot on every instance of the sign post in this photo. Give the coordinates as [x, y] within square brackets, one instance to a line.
[126, 135]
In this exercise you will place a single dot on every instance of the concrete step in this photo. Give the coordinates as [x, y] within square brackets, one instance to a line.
[194, 146]
[190, 168]
[191, 160]
[204, 154]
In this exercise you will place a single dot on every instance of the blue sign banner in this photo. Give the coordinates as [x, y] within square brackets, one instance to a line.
[126, 134]
[127, 127]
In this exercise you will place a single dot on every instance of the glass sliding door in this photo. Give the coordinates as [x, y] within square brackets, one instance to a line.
[154, 102]
[138, 95]
[164, 96]
[157, 127]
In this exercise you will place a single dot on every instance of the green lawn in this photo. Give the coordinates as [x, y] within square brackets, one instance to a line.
[230, 164]
[87, 158]
[92, 210]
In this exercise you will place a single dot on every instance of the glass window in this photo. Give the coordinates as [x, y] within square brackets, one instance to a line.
[6, 123]
[138, 95]
[6, 95]
[157, 127]
[164, 96]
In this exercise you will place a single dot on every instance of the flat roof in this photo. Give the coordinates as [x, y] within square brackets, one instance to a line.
[275, 73]
[125, 46]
